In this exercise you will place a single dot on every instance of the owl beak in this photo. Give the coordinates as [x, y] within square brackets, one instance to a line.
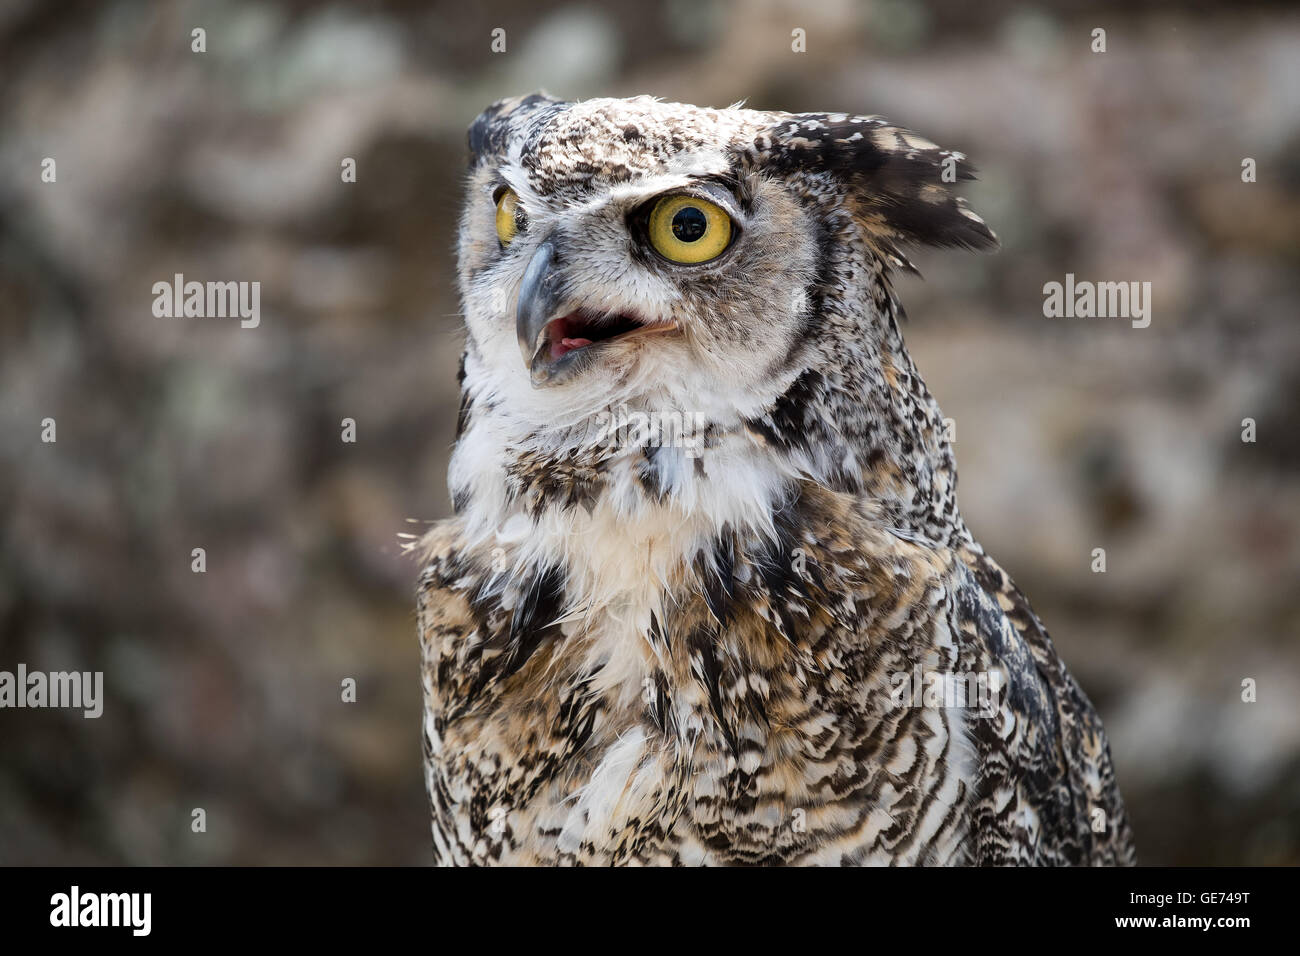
[558, 342]
[539, 296]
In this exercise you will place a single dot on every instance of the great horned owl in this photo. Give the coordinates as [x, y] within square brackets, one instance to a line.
[707, 597]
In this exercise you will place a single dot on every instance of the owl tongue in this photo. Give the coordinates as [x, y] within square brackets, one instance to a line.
[553, 358]
[565, 346]
[577, 330]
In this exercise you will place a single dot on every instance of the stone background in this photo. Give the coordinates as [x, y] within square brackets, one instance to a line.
[1072, 434]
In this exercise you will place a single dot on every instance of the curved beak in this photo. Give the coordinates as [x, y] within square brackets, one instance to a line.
[539, 295]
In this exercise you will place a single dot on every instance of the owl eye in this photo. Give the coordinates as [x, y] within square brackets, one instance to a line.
[688, 229]
[510, 218]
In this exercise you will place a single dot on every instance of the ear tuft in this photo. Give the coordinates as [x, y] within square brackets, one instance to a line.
[901, 184]
[491, 129]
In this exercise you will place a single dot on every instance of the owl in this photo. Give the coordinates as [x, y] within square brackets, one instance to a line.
[707, 597]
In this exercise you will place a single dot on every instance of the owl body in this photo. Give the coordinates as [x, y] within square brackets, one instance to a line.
[707, 597]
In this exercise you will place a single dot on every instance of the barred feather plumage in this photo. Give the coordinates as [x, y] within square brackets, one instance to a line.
[639, 652]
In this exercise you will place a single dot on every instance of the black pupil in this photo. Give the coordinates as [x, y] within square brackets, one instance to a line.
[689, 224]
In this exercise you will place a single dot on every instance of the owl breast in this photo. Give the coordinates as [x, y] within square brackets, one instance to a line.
[691, 703]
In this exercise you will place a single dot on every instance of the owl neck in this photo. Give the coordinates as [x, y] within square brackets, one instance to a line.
[859, 419]
[854, 417]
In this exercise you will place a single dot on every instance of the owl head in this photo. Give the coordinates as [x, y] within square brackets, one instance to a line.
[712, 262]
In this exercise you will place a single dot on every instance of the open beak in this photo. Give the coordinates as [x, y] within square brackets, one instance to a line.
[558, 342]
[539, 295]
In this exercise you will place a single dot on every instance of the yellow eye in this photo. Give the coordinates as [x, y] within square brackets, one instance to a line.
[508, 216]
[689, 230]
